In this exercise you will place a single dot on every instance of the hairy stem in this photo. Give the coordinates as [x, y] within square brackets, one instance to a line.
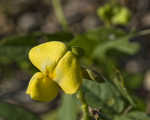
[84, 106]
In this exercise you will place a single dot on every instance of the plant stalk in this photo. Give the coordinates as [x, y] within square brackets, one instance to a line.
[59, 14]
[84, 106]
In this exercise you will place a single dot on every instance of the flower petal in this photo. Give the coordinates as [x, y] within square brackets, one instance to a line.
[41, 88]
[45, 56]
[68, 73]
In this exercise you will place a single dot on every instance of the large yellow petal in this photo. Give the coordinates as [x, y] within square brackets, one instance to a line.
[42, 88]
[68, 73]
[45, 56]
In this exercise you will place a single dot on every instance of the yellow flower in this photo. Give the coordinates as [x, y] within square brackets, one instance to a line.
[59, 68]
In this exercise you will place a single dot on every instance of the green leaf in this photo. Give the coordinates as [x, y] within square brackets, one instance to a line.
[121, 44]
[21, 40]
[68, 109]
[96, 43]
[89, 40]
[14, 112]
[59, 36]
[13, 54]
[102, 95]
[32, 39]
[85, 43]
[136, 115]
[119, 83]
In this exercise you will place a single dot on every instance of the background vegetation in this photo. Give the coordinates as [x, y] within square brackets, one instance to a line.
[114, 35]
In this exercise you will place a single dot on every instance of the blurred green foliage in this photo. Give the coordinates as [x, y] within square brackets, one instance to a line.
[133, 116]
[14, 112]
[113, 13]
[96, 43]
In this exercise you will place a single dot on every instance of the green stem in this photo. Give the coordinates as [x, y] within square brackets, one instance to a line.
[84, 106]
[59, 14]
